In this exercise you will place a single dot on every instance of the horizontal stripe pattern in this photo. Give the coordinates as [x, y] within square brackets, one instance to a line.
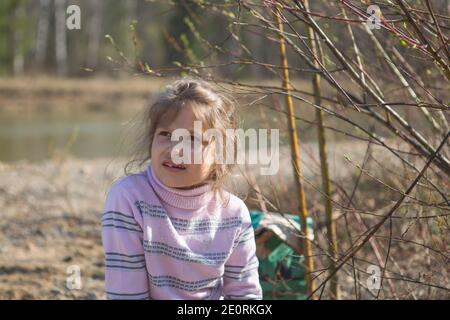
[211, 258]
[189, 226]
[240, 275]
[163, 252]
[114, 260]
[128, 296]
[242, 272]
[171, 281]
[118, 220]
[246, 235]
[150, 210]
[205, 225]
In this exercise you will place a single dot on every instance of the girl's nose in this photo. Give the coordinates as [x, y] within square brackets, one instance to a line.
[176, 149]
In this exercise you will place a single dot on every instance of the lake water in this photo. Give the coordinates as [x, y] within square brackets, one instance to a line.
[33, 137]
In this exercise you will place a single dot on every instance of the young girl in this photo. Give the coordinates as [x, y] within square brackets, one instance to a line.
[172, 231]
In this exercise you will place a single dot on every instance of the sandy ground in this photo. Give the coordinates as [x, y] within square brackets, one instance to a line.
[50, 211]
[50, 220]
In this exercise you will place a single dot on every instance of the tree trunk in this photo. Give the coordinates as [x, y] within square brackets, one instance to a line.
[95, 32]
[60, 37]
[18, 59]
[131, 6]
[42, 33]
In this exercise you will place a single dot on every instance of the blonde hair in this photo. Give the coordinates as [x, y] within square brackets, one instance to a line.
[211, 106]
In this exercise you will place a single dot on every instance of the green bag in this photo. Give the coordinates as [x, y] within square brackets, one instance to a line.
[281, 270]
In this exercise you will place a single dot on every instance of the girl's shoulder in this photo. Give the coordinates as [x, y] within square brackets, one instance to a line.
[128, 184]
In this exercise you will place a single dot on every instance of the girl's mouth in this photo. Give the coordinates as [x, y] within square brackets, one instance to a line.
[169, 165]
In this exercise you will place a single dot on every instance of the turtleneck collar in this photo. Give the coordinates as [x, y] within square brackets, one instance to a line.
[194, 198]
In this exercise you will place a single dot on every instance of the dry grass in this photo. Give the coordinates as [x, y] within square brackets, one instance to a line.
[50, 211]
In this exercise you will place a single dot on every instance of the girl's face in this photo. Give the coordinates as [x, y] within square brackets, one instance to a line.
[186, 175]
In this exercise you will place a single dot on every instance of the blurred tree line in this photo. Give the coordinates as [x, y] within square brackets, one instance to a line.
[160, 33]
[34, 37]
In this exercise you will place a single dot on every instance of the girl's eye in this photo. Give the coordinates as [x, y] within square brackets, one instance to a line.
[164, 133]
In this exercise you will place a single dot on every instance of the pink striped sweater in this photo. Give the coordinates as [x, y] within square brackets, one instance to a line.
[166, 243]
